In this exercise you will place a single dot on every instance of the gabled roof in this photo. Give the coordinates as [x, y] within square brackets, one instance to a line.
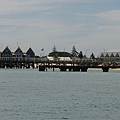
[117, 55]
[7, 51]
[30, 51]
[110, 54]
[107, 55]
[102, 55]
[18, 50]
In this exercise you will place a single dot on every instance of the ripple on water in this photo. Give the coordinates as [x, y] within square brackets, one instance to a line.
[33, 95]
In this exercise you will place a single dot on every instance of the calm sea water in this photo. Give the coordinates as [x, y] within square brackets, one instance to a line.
[33, 95]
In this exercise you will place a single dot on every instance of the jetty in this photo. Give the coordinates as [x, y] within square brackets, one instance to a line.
[13, 62]
[77, 66]
[46, 64]
[63, 61]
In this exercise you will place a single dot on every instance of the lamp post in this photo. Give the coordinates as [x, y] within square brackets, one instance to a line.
[104, 54]
[64, 54]
[86, 52]
[104, 50]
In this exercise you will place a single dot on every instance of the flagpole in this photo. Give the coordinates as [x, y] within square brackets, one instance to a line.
[42, 51]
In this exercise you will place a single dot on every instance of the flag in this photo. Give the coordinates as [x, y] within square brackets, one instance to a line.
[42, 49]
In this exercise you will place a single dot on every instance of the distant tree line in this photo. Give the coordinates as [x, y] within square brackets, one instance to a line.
[80, 54]
[74, 53]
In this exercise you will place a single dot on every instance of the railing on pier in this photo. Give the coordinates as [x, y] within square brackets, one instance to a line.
[43, 63]
[74, 61]
[42, 60]
[110, 59]
[19, 59]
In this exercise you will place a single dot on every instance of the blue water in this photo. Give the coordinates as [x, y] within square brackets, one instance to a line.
[33, 95]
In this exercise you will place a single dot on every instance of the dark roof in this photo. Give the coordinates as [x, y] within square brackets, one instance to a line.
[59, 54]
[18, 50]
[7, 51]
[30, 52]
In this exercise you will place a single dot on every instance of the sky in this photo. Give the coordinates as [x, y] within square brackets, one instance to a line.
[92, 26]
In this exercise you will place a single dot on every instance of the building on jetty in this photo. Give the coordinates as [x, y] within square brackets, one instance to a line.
[110, 57]
[18, 53]
[104, 62]
[62, 60]
[17, 58]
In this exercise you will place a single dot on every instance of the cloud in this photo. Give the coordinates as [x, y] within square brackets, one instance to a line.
[43, 23]
[14, 6]
[113, 15]
[8, 29]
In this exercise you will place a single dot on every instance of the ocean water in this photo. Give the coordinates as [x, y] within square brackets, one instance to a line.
[33, 95]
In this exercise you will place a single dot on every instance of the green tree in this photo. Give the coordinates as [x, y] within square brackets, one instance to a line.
[80, 55]
[74, 52]
[54, 49]
[92, 56]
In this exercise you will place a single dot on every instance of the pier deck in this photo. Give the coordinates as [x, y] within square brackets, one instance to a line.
[44, 65]
[77, 66]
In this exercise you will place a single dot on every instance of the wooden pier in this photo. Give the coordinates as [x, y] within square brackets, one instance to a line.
[12, 62]
[44, 65]
[74, 68]
[77, 66]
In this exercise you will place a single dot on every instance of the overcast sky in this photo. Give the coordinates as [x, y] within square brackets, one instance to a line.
[87, 24]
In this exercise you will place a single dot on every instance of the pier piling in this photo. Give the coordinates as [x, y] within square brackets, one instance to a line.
[84, 69]
[105, 69]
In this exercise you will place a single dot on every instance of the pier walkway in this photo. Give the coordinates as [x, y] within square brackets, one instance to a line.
[45, 64]
[77, 66]
[13, 62]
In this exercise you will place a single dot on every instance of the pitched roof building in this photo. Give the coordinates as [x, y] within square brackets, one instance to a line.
[6, 52]
[110, 56]
[19, 52]
[30, 53]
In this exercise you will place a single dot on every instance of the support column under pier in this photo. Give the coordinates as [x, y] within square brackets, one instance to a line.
[105, 69]
[62, 68]
[41, 68]
[33, 66]
[76, 69]
[84, 69]
[28, 66]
